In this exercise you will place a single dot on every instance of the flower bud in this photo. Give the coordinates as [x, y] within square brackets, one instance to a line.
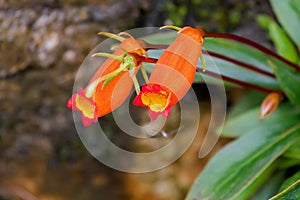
[269, 105]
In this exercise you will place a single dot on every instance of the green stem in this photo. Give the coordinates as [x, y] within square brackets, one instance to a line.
[110, 35]
[108, 55]
[91, 88]
[136, 84]
[202, 61]
[144, 73]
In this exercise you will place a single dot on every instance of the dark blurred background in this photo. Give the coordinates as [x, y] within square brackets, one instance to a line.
[42, 44]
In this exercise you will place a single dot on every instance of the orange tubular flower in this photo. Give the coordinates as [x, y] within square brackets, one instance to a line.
[173, 73]
[101, 96]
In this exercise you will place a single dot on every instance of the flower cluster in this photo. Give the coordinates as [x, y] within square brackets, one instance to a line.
[169, 81]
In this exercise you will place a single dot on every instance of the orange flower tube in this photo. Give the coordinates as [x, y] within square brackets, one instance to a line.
[173, 73]
[97, 99]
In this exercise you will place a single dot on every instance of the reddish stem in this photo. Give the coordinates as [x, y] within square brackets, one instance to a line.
[245, 65]
[239, 82]
[148, 60]
[253, 44]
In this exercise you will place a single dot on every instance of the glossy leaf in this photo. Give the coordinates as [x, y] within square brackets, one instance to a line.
[284, 117]
[288, 14]
[284, 46]
[230, 172]
[289, 80]
[290, 189]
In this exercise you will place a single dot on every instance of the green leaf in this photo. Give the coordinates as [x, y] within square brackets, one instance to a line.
[284, 46]
[289, 80]
[270, 187]
[250, 100]
[286, 163]
[231, 171]
[291, 157]
[290, 189]
[293, 152]
[161, 37]
[257, 183]
[285, 116]
[288, 14]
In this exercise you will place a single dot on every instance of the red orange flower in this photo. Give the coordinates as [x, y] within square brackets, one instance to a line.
[173, 73]
[101, 96]
[170, 80]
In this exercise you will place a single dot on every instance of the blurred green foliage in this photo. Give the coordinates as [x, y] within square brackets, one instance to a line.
[241, 169]
[208, 14]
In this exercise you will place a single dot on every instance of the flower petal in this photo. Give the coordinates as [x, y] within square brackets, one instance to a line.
[166, 112]
[85, 105]
[153, 115]
[156, 98]
[138, 100]
[69, 103]
[87, 121]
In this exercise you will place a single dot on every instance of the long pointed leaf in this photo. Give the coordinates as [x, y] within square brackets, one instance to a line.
[288, 14]
[238, 165]
[284, 46]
